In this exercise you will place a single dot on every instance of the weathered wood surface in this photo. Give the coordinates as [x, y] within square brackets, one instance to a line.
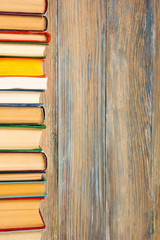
[49, 139]
[81, 114]
[156, 125]
[108, 126]
[129, 119]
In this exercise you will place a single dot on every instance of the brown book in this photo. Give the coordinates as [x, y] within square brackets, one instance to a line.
[20, 161]
[19, 165]
[23, 22]
[21, 114]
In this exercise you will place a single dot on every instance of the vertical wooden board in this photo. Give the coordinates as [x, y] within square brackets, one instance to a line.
[128, 119]
[81, 124]
[156, 125]
[49, 137]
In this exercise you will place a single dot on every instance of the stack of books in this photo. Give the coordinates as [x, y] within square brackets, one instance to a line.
[23, 39]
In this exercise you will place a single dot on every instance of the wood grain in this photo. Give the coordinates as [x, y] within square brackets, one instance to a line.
[107, 120]
[81, 119]
[49, 140]
[156, 125]
[129, 119]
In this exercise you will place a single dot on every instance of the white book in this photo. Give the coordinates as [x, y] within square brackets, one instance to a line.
[33, 83]
[19, 49]
[20, 96]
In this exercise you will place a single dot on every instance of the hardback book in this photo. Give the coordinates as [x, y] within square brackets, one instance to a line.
[20, 214]
[21, 235]
[30, 37]
[18, 22]
[27, 83]
[22, 114]
[29, 67]
[10, 189]
[25, 49]
[24, 6]
[20, 96]
[23, 44]
[20, 165]
[17, 137]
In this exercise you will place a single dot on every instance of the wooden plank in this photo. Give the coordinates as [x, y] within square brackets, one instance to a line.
[128, 119]
[81, 131]
[49, 139]
[156, 126]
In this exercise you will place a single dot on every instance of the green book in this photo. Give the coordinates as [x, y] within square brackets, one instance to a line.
[20, 137]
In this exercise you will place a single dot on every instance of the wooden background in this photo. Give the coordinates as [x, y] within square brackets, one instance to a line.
[103, 118]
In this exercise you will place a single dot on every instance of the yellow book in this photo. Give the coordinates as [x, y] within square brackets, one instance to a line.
[29, 67]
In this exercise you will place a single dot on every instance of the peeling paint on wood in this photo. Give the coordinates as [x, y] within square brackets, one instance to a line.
[81, 89]
[129, 119]
[156, 126]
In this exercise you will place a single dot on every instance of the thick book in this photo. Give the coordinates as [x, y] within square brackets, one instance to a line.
[20, 214]
[24, 6]
[27, 114]
[16, 137]
[20, 96]
[27, 83]
[28, 67]
[9, 189]
[21, 235]
[16, 22]
[22, 162]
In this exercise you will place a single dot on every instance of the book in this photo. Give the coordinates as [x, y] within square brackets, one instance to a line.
[30, 37]
[23, 22]
[24, 49]
[23, 44]
[20, 214]
[22, 188]
[20, 96]
[20, 137]
[22, 114]
[22, 162]
[21, 235]
[20, 176]
[27, 83]
[24, 6]
[21, 67]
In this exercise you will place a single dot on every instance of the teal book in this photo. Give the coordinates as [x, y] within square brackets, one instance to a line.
[22, 189]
